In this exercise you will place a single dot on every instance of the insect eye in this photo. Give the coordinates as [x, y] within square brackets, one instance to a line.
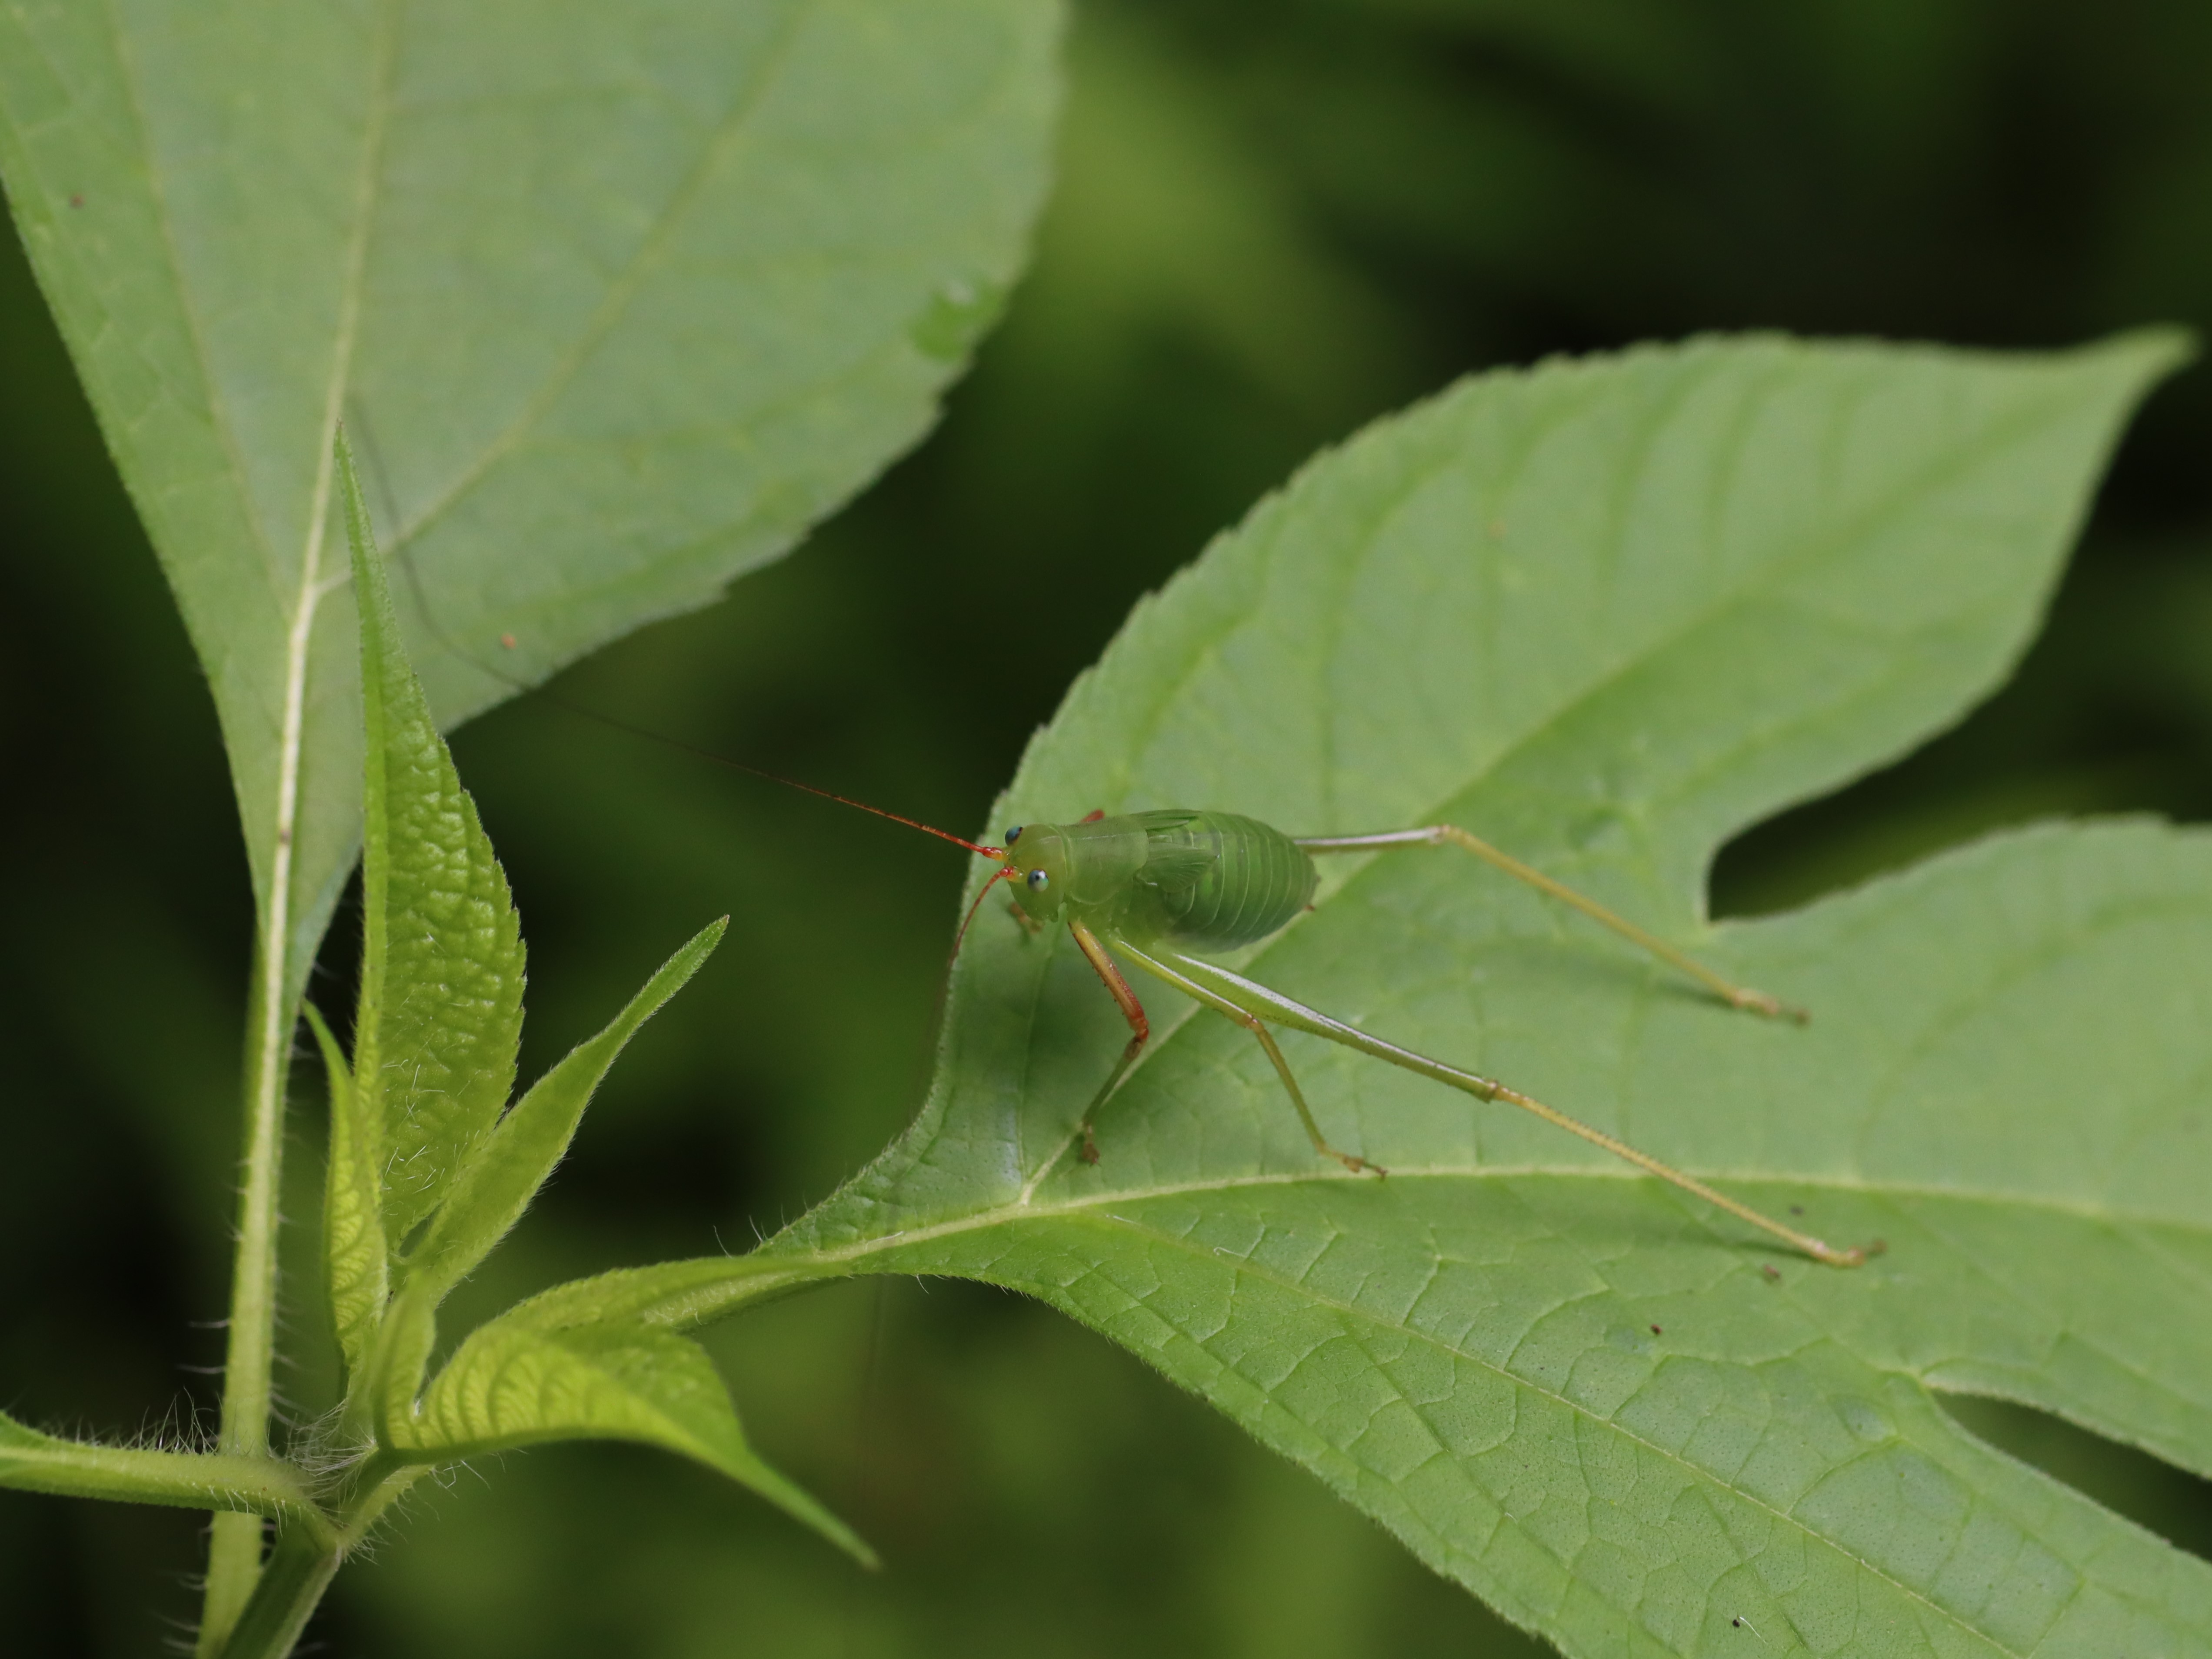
[1039, 881]
[1013, 835]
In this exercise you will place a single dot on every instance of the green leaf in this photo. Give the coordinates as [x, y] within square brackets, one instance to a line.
[616, 300]
[520, 1381]
[435, 1040]
[1606, 614]
[356, 1268]
[497, 1184]
[33, 1462]
[441, 1016]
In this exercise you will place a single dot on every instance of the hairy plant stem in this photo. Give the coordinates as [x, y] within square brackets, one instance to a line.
[290, 1586]
[235, 1550]
[285, 1596]
[235, 1547]
[312, 1543]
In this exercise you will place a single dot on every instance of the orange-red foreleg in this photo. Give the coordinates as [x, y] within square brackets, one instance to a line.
[1131, 1010]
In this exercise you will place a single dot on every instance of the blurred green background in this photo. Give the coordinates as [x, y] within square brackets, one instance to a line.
[1274, 220]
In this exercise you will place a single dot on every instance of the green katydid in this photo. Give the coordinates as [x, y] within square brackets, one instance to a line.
[1153, 888]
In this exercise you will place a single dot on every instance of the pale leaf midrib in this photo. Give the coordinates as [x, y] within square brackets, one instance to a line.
[1400, 1173]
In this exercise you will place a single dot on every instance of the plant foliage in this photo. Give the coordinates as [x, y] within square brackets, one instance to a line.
[615, 301]
[1607, 613]
[431, 1171]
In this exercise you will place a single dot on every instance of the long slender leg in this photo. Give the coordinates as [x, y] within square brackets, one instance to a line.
[1215, 984]
[1131, 1010]
[1251, 1023]
[1440, 835]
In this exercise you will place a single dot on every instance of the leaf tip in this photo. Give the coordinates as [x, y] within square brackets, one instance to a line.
[2155, 350]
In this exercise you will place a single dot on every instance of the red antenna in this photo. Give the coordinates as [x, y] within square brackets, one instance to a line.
[682, 747]
[826, 795]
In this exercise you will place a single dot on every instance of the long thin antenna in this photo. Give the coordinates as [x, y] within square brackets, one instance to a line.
[423, 606]
[682, 747]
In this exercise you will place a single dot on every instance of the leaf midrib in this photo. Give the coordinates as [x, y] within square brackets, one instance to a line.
[2141, 1230]
[1008, 1214]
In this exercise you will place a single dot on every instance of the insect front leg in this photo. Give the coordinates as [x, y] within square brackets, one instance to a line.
[1444, 834]
[1131, 1010]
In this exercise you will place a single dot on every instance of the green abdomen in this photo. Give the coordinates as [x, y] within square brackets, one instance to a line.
[1213, 881]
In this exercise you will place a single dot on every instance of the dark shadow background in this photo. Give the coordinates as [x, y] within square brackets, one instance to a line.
[1276, 221]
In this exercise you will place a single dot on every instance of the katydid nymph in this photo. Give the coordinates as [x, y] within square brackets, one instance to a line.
[1161, 889]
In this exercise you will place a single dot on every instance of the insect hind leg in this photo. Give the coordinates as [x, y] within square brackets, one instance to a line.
[1235, 995]
[1258, 1029]
[1450, 834]
[1251, 1022]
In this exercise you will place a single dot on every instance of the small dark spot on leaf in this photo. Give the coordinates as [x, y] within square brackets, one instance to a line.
[1656, 1331]
[506, 641]
[76, 201]
[1772, 1272]
[1796, 1209]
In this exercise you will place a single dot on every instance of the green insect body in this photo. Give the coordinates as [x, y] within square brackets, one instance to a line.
[1198, 881]
[1154, 888]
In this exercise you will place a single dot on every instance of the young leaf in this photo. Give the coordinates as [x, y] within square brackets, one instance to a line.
[496, 1185]
[519, 1383]
[616, 300]
[33, 1462]
[1606, 614]
[355, 1258]
[440, 1014]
